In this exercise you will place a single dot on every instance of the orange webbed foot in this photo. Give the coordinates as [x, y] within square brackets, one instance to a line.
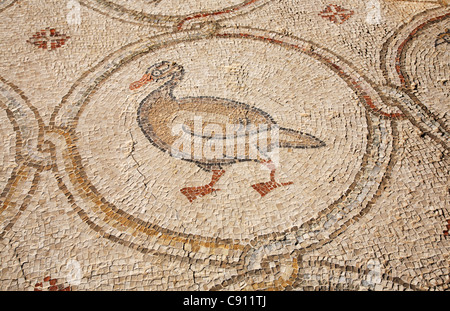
[193, 193]
[265, 187]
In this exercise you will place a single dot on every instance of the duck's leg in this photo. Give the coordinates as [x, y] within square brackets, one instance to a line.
[192, 193]
[265, 187]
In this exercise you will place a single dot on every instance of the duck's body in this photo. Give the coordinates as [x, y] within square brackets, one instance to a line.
[194, 122]
[160, 112]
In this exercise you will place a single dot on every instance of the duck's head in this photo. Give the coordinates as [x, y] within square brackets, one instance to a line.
[163, 71]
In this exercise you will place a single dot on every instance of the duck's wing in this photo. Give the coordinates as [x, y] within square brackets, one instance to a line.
[210, 117]
[212, 131]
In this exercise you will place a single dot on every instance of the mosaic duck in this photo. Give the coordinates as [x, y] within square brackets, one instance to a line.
[160, 112]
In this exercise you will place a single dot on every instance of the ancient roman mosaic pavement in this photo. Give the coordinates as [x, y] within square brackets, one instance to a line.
[94, 94]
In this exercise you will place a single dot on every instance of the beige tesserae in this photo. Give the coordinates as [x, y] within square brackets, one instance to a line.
[224, 145]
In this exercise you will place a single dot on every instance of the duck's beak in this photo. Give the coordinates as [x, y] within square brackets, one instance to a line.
[144, 80]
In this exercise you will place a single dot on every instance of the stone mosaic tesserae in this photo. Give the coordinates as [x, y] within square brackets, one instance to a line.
[224, 145]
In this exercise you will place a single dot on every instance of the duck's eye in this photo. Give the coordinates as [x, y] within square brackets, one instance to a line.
[164, 68]
[156, 73]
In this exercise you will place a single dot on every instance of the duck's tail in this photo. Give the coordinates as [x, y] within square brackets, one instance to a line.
[289, 138]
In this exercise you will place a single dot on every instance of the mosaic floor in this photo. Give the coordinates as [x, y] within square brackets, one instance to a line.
[346, 186]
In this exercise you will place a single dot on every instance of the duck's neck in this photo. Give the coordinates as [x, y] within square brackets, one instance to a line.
[163, 96]
[172, 83]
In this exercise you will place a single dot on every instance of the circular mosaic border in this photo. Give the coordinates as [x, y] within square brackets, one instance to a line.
[29, 137]
[178, 21]
[113, 223]
[4, 4]
[393, 62]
